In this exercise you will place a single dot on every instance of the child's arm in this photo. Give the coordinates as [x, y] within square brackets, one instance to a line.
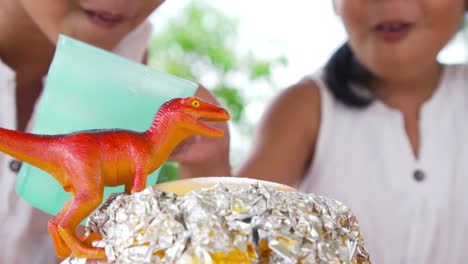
[283, 147]
[285, 140]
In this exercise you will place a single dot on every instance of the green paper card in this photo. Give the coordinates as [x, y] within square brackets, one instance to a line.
[90, 88]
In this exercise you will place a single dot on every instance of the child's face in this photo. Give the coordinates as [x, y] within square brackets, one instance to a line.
[399, 37]
[100, 22]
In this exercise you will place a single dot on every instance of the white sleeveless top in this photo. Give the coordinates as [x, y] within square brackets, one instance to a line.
[24, 238]
[410, 211]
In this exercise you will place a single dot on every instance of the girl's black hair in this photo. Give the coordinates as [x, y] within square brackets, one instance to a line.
[341, 72]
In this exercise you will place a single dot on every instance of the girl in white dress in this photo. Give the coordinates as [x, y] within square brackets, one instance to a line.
[383, 128]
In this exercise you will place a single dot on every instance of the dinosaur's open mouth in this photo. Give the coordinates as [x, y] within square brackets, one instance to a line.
[203, 118]
[210, 129]
[212, 119]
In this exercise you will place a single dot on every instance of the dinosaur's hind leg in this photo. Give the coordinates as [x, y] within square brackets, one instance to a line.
[83, 205]
[61, 248]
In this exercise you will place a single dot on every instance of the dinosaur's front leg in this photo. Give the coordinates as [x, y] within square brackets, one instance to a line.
[61, 248]
[139, 182]
[83, 205]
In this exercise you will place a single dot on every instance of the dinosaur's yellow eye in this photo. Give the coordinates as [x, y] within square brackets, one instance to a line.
[196, 103]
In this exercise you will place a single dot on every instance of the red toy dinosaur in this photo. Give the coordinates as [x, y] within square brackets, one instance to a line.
[86, 161]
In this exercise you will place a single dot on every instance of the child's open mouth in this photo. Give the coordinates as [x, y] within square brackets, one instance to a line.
[103, 18]
[392, 31]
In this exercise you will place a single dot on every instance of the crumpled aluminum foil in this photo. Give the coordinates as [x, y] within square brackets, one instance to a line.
[261, 224]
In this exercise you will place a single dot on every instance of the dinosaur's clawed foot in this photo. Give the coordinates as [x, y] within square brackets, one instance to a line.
[88, 240]
[79, 248]
[91, 253]
[61, 248]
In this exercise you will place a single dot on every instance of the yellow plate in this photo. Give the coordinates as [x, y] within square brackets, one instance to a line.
[181, 187]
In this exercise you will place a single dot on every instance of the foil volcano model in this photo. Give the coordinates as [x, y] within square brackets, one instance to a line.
[251, 222]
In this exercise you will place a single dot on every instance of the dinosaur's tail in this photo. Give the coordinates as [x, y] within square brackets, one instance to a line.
[31, 148]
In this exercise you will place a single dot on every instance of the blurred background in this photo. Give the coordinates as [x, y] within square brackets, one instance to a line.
[247, 51]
